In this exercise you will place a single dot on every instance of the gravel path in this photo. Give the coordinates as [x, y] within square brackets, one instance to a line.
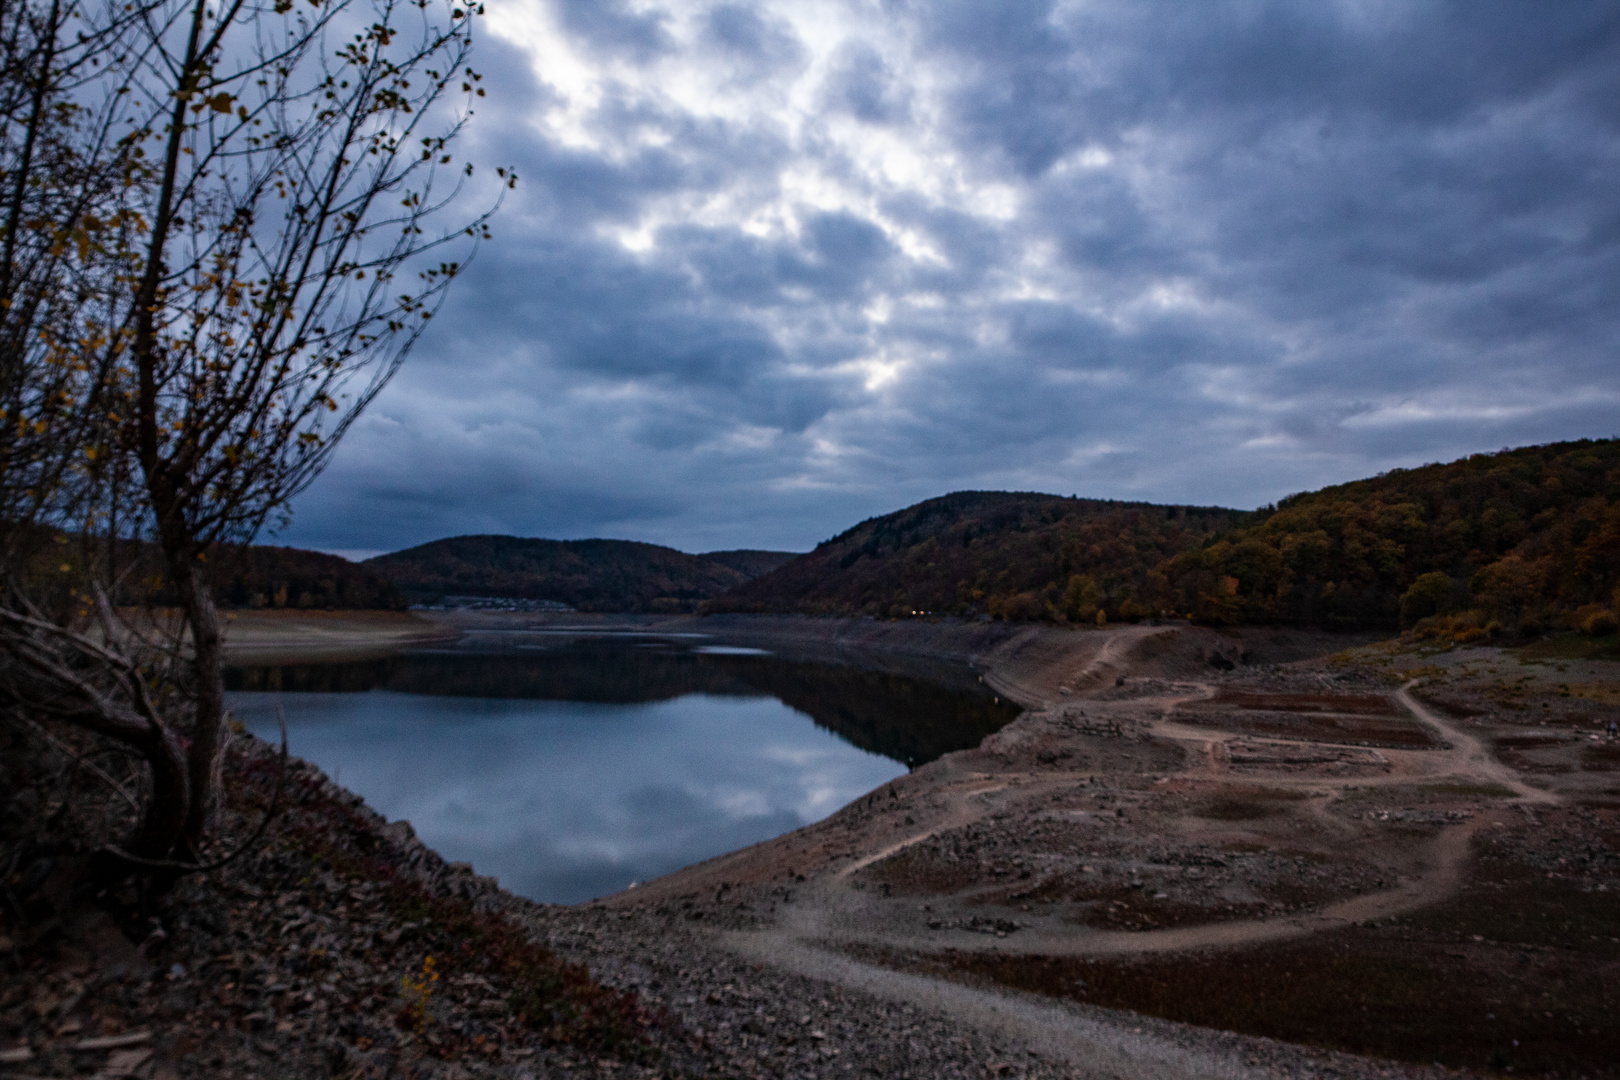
[768, 1008]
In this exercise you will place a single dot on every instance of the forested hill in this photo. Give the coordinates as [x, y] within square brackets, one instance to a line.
[1009, 555]
[1521, 539]
[590, 575]
[253, 577]
[283, 577]
[750, 562]
[1517, 540]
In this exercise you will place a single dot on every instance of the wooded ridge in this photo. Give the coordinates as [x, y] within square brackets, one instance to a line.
[1518, 540]
[588, 575]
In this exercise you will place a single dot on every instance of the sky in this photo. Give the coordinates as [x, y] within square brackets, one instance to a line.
[774, 268]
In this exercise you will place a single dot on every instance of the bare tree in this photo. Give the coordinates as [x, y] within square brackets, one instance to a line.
[294, 173]
[269, 260]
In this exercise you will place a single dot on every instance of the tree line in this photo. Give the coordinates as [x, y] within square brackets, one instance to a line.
[588, 575]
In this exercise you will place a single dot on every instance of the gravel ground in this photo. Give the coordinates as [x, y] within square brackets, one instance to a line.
[295, 963]
[763, 1009]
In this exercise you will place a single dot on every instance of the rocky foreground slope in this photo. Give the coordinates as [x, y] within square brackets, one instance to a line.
[1185, 826]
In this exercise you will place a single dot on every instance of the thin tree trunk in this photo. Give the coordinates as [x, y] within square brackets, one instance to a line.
[206, 753]
[167, 811]
[165, 490]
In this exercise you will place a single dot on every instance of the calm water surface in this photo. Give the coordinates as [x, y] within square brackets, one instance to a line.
[570, 767]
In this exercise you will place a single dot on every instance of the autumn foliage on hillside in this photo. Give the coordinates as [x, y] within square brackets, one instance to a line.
[257, 576]
[281, 577]
[1516, 542]
[1519, 540]
[1008, 555]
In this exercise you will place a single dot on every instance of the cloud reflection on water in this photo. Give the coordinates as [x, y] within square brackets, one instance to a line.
[563, 801]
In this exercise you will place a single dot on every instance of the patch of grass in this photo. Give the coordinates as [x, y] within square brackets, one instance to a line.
[1335, 730]
[1138, 913]
[1512, 903]
[1603, 757]
[1457, 710]
[1427, 671]
[1378, 653]
[1374, 704]
[919, 870]
[1604, 693]
[1247, 804]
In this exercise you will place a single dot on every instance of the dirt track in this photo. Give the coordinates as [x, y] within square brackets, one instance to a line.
[1134, 810]
[834, 909]
[1171, 796]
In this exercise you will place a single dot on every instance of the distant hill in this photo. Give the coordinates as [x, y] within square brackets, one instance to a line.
[260, 576]
[283, 577]
[1008, 555]
[590, 575]
[749, 562]
[1516, 541]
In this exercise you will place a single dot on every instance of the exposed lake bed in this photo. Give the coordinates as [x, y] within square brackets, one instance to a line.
[1177, 806]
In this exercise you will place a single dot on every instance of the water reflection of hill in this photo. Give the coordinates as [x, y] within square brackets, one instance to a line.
[903, 717]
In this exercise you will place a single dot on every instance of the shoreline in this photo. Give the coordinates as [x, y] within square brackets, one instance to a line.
[1138, 748]
[287, 635]
[1023, 661]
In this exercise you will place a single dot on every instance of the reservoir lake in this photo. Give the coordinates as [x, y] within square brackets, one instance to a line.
[570, 766]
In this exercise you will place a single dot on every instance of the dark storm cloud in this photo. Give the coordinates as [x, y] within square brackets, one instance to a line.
[612, 28]
[771, 269]
[862, 84]
[758, 47]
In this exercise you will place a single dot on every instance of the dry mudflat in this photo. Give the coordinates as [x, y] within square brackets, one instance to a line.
[1195, 854]
[271, 636]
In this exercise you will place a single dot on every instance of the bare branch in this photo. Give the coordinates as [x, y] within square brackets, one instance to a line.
[80, 759]
[245, 846]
